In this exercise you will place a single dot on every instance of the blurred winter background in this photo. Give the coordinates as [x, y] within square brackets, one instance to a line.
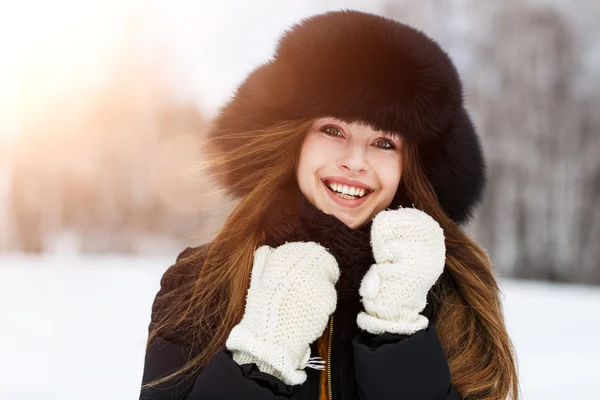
[102, 109]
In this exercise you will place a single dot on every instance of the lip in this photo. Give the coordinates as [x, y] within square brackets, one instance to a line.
[346, 181]
[345, 202]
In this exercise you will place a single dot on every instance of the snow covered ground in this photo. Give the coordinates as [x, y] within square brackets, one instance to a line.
[75, 328]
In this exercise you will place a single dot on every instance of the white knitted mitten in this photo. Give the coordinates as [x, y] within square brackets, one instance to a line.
[291, 295]
[410, 253]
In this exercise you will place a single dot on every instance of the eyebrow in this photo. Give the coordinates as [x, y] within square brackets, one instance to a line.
[394, 136]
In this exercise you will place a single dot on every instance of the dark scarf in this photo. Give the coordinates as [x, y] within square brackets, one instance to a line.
[294, 218]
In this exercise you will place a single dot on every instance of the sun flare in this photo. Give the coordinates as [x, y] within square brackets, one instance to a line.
[49, 48]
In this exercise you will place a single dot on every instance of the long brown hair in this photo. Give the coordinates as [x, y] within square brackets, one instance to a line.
[466, 302]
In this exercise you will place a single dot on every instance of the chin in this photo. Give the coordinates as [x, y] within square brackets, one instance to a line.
[350, 221]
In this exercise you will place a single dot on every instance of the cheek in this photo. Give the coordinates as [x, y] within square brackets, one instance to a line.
[313, 157]
[389, 172]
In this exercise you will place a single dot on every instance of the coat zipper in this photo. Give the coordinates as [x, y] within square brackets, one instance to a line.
[329, 356]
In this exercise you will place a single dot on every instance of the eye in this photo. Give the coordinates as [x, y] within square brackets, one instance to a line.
[385, 144]
[331, 131]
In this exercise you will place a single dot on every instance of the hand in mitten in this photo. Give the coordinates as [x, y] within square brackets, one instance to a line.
[410, 253]
[291, 295]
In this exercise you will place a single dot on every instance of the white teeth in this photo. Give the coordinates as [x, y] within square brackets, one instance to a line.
[346, 190]
[345, 196]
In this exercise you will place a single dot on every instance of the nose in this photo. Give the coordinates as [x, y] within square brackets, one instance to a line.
[353, 160]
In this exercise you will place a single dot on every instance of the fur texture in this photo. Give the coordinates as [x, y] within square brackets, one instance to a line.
[361, 67]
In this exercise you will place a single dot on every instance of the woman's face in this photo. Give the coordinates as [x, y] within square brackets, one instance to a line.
[349, 170]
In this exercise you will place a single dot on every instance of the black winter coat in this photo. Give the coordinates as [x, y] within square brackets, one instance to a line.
[363, 366]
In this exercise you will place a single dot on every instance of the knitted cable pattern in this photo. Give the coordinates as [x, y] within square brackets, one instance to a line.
[291, 295]
[410, 253]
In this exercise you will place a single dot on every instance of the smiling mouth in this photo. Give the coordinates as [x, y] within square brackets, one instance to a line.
[347, 192]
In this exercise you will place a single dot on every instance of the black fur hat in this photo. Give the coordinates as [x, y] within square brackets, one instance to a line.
[361, 67]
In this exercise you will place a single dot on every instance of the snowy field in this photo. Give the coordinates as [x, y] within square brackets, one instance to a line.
[75, 328]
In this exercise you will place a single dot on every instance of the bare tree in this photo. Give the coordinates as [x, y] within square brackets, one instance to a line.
[535, 130]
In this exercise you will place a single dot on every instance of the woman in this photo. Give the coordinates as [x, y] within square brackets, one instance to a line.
[342, 273]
